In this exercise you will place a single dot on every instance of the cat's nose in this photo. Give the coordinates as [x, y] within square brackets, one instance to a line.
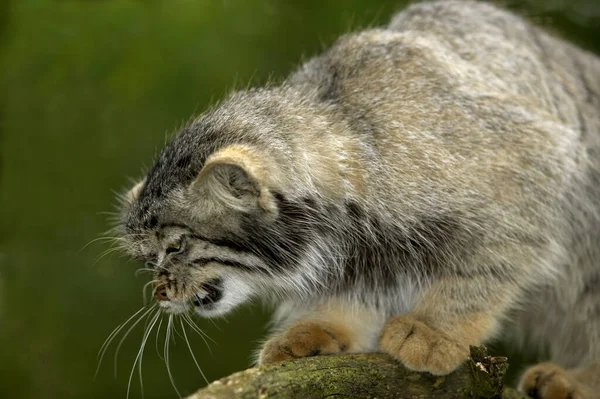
[160, 292]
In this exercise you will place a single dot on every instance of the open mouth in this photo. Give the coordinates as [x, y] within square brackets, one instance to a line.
[210, 293]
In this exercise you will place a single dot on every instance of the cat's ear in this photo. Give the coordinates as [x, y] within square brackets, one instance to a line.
[133, 194]
[237, 177]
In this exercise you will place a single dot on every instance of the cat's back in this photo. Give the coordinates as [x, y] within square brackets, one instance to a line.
[514, 57]
[459, 51]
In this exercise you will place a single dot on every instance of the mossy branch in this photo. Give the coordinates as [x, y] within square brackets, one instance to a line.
[364, 376]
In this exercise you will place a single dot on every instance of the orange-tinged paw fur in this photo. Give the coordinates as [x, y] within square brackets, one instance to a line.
[420, 347]
[303, 339]
[550, 381]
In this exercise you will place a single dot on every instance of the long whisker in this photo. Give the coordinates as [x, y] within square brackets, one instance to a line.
[215, 324]
[157, 336]
[116, 357]
[117, 329]
[166, 353]
[109, 213]
[176, 331]
[110, 338]
[195, 327]
[144, 290]
[191, 351]
[201, 333]
[113, 239]
[109, 251]
[143, 270]
[158, 316]
[140, 354]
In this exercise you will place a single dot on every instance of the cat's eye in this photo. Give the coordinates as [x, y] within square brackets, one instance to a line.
[174, 247]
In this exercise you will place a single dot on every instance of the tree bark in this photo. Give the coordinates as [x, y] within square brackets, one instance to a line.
[372, 375]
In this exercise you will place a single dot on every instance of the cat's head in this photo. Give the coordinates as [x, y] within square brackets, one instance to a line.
[209, 220]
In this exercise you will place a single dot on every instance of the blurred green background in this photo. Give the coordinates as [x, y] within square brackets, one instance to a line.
[88, 92]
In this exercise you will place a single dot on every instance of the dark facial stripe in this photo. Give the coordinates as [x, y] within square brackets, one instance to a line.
[227, 262]
[236, 246]
[233, 245]
[281, 243]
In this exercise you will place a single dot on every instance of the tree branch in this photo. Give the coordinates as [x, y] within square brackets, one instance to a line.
[363, 376]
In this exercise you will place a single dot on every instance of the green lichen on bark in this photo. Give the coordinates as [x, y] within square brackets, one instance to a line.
[361, 376]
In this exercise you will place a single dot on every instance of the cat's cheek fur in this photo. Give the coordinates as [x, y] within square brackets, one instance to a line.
[236, 291]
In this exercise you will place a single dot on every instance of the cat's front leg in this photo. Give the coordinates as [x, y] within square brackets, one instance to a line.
[452, 314]
[325, 329]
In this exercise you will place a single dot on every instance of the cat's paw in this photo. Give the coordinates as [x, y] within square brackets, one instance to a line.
[550, 381]
[303, 339]
[420, 347]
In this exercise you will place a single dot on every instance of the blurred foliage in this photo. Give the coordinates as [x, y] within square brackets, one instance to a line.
[89, 92]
